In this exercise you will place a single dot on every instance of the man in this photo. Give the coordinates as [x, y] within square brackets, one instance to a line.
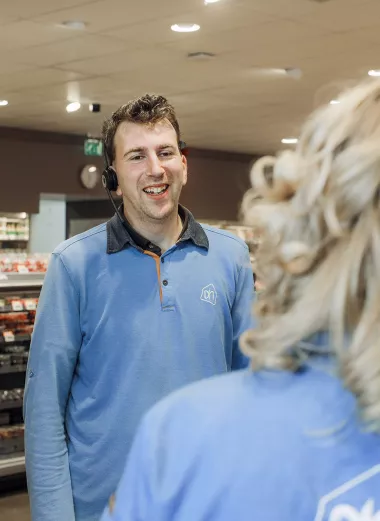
[129, 312]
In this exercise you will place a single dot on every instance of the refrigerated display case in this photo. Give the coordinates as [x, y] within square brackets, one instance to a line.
[19, 293]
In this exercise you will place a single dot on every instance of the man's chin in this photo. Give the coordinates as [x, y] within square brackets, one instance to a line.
[162, 214]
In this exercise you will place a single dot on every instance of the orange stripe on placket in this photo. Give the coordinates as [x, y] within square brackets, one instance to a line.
[158, 268]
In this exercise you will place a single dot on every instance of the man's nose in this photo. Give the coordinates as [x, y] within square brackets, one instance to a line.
[155, 164]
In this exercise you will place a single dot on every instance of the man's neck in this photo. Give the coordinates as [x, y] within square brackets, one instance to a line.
[164, 235]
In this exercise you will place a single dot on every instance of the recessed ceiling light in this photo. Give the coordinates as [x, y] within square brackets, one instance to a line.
[289, 141]
[73, 107]
[3, 103]
[77, 25]
[374, 72]
[334, 102]
[185, 28]
[211, 1]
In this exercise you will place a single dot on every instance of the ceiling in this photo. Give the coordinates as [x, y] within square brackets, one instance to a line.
[233, 102]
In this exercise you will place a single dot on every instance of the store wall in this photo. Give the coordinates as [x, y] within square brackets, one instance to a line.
[48, 226]
[34, 162]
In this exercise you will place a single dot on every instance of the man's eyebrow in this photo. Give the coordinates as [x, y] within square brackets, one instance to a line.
[142, 149]
[134, 150]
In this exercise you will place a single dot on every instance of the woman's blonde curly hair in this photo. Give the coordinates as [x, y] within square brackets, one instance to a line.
[317, 210]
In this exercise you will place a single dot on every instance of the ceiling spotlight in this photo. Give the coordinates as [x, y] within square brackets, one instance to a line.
[3, 103]
[73, 107]
[211, 1]
[374, 72]
[92, 169]
[76, 25]
[185, 28]
[289, 141]
[334, 102]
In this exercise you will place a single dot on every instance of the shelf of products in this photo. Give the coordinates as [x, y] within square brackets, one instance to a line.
[23, 263]
[14, 232]
[19, 293]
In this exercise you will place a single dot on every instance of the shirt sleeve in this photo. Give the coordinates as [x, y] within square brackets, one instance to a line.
[55, 345]
[242, 313]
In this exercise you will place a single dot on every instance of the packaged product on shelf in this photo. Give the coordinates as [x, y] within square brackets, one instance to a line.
[11, 439]
[23, 263]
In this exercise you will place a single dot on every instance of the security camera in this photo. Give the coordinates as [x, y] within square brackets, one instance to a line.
[94, 107]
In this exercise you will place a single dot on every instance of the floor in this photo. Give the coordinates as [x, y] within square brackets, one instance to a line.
[14, 507]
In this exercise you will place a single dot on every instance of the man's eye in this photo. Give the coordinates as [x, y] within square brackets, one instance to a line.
[137, 158]
[166, 153]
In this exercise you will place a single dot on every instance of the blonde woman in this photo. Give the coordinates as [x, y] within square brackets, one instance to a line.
[297, 437]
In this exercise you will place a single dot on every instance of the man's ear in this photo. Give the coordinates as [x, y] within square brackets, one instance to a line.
[185, 171]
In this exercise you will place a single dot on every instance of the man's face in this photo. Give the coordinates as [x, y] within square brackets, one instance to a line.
[151, 170]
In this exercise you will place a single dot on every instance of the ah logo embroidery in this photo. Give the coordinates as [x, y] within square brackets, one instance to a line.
[209, 294]
[349, 513]
[352, 501]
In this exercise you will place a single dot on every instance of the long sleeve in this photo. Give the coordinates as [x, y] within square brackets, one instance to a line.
[54, 350]
[242, 318]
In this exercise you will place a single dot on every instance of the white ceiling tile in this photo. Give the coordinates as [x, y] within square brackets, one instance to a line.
[25, 9]
[25, 33]
[23, 80]
[74, 49]
[106, 14]
[126, 60]
[299, 8]
[342, 16]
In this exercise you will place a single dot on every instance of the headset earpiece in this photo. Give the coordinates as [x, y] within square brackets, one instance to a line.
[109, 179]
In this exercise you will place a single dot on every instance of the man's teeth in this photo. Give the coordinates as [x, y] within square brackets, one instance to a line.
[155, 190]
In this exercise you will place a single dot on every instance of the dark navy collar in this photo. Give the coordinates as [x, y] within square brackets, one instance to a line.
[121, 234]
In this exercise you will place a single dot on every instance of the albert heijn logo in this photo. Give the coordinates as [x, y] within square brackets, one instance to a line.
[355, 500]
[209, 294]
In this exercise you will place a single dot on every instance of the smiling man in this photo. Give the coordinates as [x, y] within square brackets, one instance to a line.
[129, 311]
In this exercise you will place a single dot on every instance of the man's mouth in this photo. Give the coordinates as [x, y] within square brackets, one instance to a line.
[156, 190]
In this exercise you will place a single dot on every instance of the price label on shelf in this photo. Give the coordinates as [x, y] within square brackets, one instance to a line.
[17, 305]
[8, 336]
[22, 269]
[30, 304]
[2, 303]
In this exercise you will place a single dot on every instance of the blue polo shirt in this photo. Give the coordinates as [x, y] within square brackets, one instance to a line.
[268, 446]
[118, 328]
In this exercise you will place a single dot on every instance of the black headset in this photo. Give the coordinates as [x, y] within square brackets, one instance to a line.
[109, 177]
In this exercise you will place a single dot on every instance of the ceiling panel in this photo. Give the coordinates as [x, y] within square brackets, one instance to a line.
[26, 9]
[24, 33]
[106, 14]
[69, 50]
[19, 81]
[126, 61]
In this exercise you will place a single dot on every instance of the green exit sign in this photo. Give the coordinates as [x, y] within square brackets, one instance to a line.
[93, 147]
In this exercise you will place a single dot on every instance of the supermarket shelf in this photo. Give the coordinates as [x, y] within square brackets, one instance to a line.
[21, 280]
[13, 369]
[11, 404]
[8, 239]
[12, 465]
